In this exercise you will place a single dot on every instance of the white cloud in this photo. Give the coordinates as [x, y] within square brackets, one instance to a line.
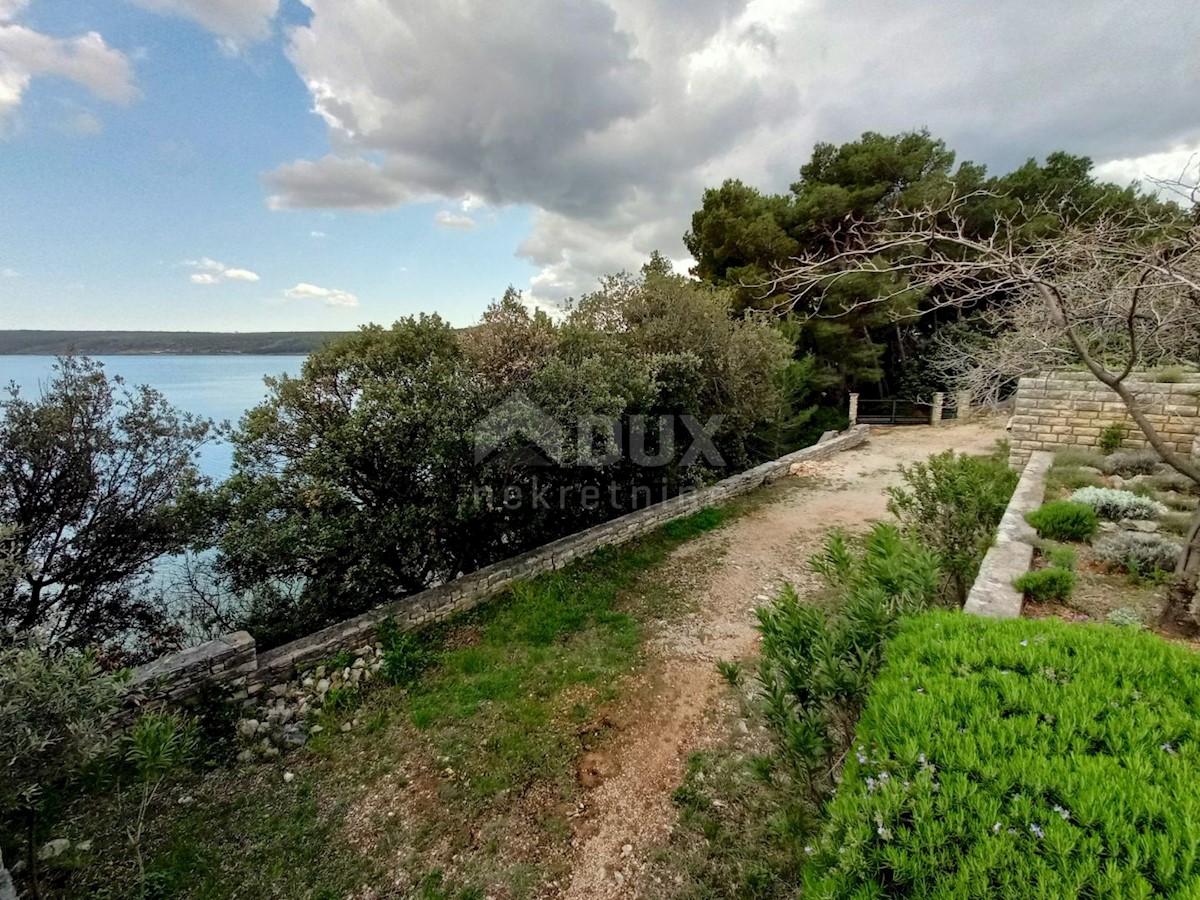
[328, 296]
[9, 273]
[1169, 165]
[610, 117]
[446, 219]
[317, 234]
[209, 271]
[236, 23]
[87, 60]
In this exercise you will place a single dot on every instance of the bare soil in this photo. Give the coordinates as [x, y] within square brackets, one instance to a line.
[677, 706]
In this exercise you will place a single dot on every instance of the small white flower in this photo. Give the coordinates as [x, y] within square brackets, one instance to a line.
[1037, 830]
[1024, 643]
[996, 828]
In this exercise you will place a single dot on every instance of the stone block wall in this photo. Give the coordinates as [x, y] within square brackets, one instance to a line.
[1065, 409]
[233, 660]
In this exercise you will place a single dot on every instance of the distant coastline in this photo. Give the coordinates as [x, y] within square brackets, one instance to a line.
[167, 343]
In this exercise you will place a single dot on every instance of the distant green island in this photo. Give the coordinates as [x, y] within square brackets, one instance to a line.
[113, 343]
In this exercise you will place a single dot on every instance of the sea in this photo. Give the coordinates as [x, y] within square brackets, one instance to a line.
[220, 388]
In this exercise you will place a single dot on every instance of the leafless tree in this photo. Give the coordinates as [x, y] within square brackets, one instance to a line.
[1119, 293]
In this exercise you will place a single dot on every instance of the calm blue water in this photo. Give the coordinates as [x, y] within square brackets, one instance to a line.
[217, 387]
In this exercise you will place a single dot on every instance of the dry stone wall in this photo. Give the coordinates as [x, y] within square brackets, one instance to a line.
[1065, 409]
[257, 677]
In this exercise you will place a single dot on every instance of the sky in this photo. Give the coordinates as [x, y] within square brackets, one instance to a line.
[258, 165]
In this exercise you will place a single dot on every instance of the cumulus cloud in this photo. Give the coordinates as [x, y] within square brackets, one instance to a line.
[610, 117]
[235, 22]
[445, 219]
[87, 60]
[209, 271]
[328, 296]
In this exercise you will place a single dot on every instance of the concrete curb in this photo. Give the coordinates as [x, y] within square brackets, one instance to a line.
[993, 594]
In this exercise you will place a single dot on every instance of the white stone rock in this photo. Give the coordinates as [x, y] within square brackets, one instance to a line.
[289, 777]
[323, 686]
[248, 727]
[56, 847]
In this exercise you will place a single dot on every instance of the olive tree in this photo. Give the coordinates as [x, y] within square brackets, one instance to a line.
[92, 475]
[1111, 294]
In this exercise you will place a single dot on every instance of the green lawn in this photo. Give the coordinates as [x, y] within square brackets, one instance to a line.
[455, 787]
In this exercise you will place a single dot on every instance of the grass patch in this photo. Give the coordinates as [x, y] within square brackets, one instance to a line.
[1022, 759]
[489, 730]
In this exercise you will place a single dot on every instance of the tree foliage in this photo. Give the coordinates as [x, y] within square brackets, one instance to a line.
[92, 475]
[742, 238]
[359, 481]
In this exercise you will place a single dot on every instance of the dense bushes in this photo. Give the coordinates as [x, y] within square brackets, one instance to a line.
[817, 664]
[56, 716]
[952, 505]
[1019, 759]
[363, 478]
[1116, 505]
[1062, 520]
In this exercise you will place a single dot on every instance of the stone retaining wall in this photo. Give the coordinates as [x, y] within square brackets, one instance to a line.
[232, 659]
[1072, 408]
[1009, 558]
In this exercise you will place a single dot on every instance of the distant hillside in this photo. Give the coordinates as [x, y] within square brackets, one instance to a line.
[100, 343]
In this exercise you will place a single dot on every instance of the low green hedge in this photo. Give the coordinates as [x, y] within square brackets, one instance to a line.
[1020, 759]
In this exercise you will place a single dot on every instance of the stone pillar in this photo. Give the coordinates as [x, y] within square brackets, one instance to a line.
[853, 410]
[962, 403]
[935, 414]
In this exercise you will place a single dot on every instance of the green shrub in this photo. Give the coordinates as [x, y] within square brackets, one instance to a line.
[1115, 505]
[1047, 585]
[1112, 436]
[56, 716]
[1137, 553]
[952, 505]
[405, 655]
[1131, 462]
[1019, 759]
[1171, 375]
[1059, 556]
[817, 664]
[1062, 520]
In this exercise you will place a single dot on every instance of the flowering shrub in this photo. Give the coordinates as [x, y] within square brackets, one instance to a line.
[1116, 505]
[1137, 552]
[1019, 759]
[1062, 520]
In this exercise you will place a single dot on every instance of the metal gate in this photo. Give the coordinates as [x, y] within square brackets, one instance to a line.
[898, 412]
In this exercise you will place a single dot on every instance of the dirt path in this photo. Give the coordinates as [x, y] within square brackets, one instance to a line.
[629, 813]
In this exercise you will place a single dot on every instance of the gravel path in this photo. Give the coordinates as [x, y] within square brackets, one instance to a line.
[628, 814]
